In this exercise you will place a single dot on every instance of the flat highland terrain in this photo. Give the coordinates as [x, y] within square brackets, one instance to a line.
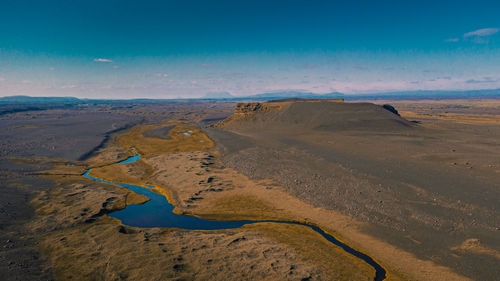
[414, 186]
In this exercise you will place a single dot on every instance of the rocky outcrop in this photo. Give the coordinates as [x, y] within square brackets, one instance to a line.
[391, 109]
[247, 107]
[244, 111]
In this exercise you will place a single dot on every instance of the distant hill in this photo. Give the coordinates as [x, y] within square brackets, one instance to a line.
[15, 104]
[218, 95]
[28, 99]
[404, 95]
[273, 95]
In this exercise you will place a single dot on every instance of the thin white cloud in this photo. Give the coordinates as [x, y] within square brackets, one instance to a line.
[69, 86]
[482, 32]
[102, 60]
[482, 80]
[452, 40]
[161, 75]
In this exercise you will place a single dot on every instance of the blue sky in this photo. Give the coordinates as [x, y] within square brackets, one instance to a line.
[169, 49]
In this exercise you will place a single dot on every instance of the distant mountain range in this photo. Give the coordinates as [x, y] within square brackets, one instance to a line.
[273, 95]
[218, 95]
[471, 94]
[495, 93]
[28, 99]
[370, 96]
[295, 94]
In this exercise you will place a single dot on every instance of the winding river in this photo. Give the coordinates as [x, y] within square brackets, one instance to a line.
[158, 212]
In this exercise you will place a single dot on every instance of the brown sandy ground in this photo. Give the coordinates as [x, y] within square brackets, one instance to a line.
[82, 243]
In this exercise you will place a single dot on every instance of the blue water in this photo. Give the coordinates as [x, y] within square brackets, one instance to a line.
[158, 212]
[130, 159]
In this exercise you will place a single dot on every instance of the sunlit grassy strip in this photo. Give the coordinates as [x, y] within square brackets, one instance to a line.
[150, 147]
[310, 252]
[491, 119]
[313, 247]
[360, 258]
[117, 173]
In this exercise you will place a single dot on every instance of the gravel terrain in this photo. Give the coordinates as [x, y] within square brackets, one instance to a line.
[428, 189]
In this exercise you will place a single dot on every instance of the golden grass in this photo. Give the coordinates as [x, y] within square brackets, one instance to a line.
[466, 102]
[133, 173]
[139, 172]
[132, 198]
[473, 245]
[26, 127]
[465, 118]
[249, 206]
[317, 250]
[58, 168]
[236, 207]
[150, 147]
[135, 198]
